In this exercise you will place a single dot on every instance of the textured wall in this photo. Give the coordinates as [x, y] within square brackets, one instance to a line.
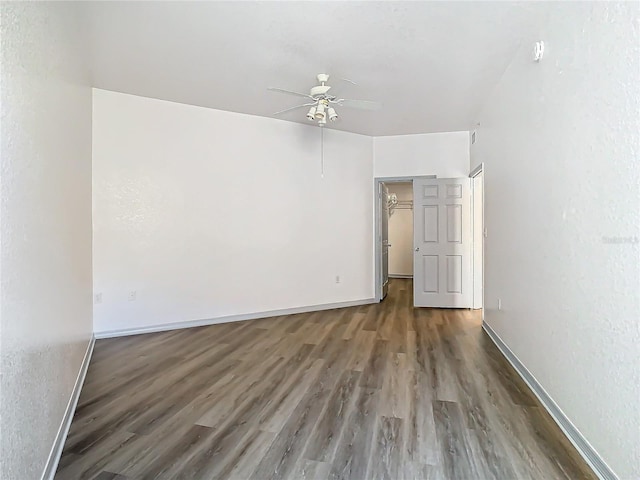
[45, 313]
[205, 213]
[561, 144]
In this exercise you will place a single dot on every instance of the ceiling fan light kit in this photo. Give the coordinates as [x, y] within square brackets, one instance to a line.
[322, 102]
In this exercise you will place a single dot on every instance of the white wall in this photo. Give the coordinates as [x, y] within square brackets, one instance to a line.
[401, 232]
[561, 144]
[206, 213]
[45, 313]
[443, 154]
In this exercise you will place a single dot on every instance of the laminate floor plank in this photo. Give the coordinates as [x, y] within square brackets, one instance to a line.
[395, 387]
[456, 452]
[324, 439]
[386, 454]
[361, 347]
[311, 470]
[353, 452]
[421, 441]
[370, 319]
[373, 373]
[380, 391]
[104, 475]
[354, 325]
[251, 456]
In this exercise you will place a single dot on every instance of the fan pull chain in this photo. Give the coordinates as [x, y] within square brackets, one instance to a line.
[321, 152]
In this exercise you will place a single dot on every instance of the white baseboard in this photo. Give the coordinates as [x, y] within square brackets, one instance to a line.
[595, 461]
[229, 318]
[56, 450]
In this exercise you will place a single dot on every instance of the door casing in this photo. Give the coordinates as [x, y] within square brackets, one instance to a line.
[479, 170]
[383, 196]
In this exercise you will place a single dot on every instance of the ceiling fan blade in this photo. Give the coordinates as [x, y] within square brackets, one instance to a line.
[361, 104]
[348, 81]
[289, 92]
[294, 108]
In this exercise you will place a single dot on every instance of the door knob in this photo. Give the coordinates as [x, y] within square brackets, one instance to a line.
[417, 249]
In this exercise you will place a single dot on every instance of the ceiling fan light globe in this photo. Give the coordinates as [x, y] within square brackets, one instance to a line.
[311, 114]
[319, 115]
[333, 116]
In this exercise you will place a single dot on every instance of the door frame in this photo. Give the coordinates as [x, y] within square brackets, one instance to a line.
[480, 169]
[377, 239]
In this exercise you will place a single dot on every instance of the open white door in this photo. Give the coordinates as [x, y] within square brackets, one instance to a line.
[442, 243]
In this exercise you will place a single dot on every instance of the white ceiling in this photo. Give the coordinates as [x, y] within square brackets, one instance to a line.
[431, 64]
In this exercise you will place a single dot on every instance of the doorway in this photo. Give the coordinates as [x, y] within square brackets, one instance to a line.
[393, 230]
[396, 231]
[441, 247]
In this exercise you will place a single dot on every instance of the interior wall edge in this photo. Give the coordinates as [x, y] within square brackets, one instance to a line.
[61, 436]
[582, 445]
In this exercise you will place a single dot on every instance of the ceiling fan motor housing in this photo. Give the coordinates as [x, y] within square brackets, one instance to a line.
[319, 90]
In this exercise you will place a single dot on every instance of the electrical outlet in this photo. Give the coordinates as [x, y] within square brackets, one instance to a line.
[499, 304]
[132, 296]
[337, 278]
[97, 298]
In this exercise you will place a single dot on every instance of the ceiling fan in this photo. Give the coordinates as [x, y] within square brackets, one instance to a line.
[322, 103]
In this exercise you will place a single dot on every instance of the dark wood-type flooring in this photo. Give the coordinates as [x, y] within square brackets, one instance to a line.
[380, 391]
